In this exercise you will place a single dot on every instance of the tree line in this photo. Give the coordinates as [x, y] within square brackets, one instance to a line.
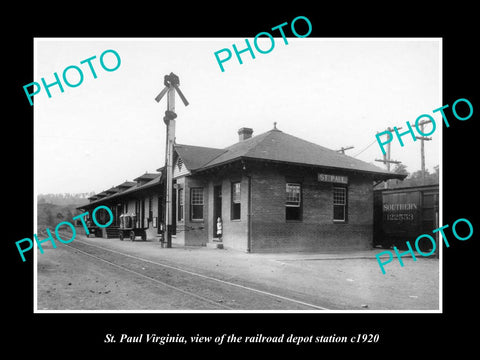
[413, 179]
[64, 198]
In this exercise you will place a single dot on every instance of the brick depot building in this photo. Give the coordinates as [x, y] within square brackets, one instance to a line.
[143, 197]
[273, 192]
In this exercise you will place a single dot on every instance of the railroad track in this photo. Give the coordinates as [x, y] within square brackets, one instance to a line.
[218, 293]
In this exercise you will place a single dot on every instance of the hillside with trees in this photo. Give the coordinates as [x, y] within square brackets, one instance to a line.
[55, 208]
[64, 198]
[412, 179]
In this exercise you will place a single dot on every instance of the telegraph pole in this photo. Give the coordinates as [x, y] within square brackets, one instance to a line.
[171, 83]
[386, 157]
[342, 149]
[422, 147]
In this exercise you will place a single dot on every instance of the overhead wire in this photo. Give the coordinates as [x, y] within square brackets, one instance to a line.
[374, 141]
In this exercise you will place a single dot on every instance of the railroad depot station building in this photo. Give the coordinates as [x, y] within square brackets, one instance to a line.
[273, 192]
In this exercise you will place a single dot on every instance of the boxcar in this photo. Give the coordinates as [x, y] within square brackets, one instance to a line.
[402, 214]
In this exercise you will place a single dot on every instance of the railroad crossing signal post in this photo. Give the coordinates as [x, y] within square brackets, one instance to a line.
[171, 83]
[170, 123]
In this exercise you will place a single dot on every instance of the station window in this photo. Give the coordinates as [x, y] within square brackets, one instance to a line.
[340, 204]
[196, 203]
[293, 202]
[180, 204]
[236, 203]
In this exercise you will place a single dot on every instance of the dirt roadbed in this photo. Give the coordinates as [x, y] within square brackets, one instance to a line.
[118, 276]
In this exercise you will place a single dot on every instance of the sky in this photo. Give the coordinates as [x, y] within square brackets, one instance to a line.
[335, 92]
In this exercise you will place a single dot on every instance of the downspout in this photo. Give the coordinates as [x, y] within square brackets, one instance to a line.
[249, 215]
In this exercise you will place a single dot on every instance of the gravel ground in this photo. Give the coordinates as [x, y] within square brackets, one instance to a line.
[337, 281]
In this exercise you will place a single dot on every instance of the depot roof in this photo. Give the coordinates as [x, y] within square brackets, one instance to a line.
[280, 147]
[146, 176]
[136, 187]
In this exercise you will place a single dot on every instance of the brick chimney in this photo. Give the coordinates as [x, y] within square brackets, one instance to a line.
[244, 133]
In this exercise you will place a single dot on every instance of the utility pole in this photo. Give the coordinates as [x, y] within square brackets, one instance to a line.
[342, 149]
[386, 157]
[171, 83]
[422, 147]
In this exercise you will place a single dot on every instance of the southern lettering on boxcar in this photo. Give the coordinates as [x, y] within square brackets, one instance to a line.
[404, 213]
